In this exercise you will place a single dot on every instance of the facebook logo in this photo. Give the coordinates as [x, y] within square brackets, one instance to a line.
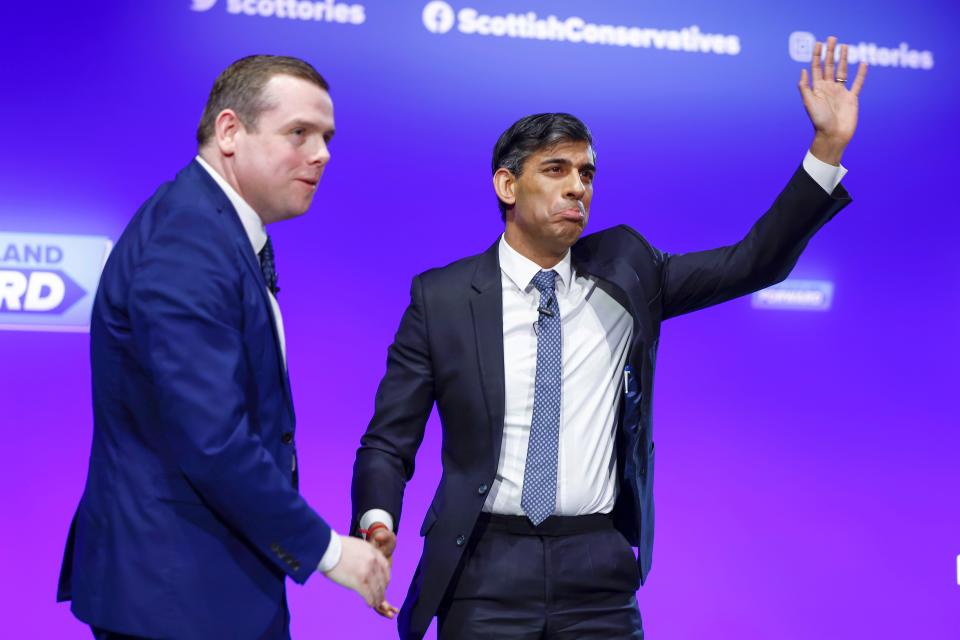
[47, 282]
[202, 5]
[438, 17]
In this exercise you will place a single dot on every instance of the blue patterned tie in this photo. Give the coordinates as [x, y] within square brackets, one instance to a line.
[539, 497]
[268, 268]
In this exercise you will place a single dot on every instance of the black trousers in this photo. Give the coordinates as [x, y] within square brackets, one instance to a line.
[570, 578]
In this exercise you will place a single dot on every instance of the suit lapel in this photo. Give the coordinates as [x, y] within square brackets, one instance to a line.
[232, 220]
[250, 259]
[487, 309]
[618, 279]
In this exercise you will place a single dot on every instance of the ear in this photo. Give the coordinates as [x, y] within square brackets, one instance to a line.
[505, 184]
[226, 128]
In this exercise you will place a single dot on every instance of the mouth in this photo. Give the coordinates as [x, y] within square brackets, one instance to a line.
[572, 214]
[309, 182]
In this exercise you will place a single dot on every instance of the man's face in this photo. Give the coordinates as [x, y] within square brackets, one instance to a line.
[553, 195]
[278, 166]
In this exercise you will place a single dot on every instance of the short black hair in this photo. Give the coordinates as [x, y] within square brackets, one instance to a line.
[533, 133]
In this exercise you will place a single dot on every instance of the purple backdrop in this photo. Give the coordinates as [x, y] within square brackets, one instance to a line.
[806, 460]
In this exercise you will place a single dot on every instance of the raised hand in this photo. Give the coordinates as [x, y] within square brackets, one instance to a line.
[385, 541]
[362, 568]
[833, 109]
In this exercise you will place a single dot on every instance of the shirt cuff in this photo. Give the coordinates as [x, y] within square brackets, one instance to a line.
[376, 515]
[826, 175]
[331, 557]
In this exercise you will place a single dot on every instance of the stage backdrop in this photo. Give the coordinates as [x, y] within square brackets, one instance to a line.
[807, 483]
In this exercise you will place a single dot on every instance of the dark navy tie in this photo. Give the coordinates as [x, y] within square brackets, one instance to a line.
[268, 268]
[539, 497]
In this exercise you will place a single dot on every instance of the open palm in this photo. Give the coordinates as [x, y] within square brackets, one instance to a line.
[832, 108]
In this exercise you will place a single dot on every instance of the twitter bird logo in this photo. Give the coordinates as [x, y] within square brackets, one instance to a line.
[203, 5]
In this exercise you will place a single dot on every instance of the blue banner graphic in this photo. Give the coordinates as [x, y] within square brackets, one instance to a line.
[47, 282]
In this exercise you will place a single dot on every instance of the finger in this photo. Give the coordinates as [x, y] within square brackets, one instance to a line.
[382, 571]
[828, 64]
[386, 610]
[804, 85]
[858, 81]
[842, 67]
[376, 582]
[381, 592]
[373, 591]
[385, 542]
[806, 92]
[382, 575]
[815, 72]
[385, 574]
[367, 591]
[384, 565]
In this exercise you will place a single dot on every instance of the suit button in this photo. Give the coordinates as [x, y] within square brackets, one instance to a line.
[287, 438]
[482, 489]
[460, 540]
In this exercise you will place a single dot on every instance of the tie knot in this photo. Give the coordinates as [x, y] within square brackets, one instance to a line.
[545, 281]
[266, 253]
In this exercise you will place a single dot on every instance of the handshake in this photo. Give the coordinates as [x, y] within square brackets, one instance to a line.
[364, 567]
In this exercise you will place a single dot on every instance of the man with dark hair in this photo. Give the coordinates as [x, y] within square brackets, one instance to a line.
[532, 134]
[539, 354]
[191, 519]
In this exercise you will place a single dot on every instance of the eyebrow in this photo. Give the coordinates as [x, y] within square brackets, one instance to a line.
[563, 161]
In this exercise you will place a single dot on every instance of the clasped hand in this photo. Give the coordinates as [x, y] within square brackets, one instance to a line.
[385, 541]
[365, 569]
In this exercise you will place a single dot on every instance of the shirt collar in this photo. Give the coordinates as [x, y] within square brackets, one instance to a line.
[521, 269]
[252, 224]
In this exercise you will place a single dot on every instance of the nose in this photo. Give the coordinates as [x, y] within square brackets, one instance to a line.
[321, 154]
[575, 188]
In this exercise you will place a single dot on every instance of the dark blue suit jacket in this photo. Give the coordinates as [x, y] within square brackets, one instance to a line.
[449, 351]
[190, 518]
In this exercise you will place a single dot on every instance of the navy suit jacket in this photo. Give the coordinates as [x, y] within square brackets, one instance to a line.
[190, 518]
[448, 350]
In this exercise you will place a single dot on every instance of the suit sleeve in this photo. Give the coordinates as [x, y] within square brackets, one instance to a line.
[405, 397]
[186, 312]
[767, 254]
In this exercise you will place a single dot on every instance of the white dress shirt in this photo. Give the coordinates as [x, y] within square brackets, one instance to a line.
[596, 332]
[257, 233]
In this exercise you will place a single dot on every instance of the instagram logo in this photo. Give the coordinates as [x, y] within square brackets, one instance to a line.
[801, 45]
